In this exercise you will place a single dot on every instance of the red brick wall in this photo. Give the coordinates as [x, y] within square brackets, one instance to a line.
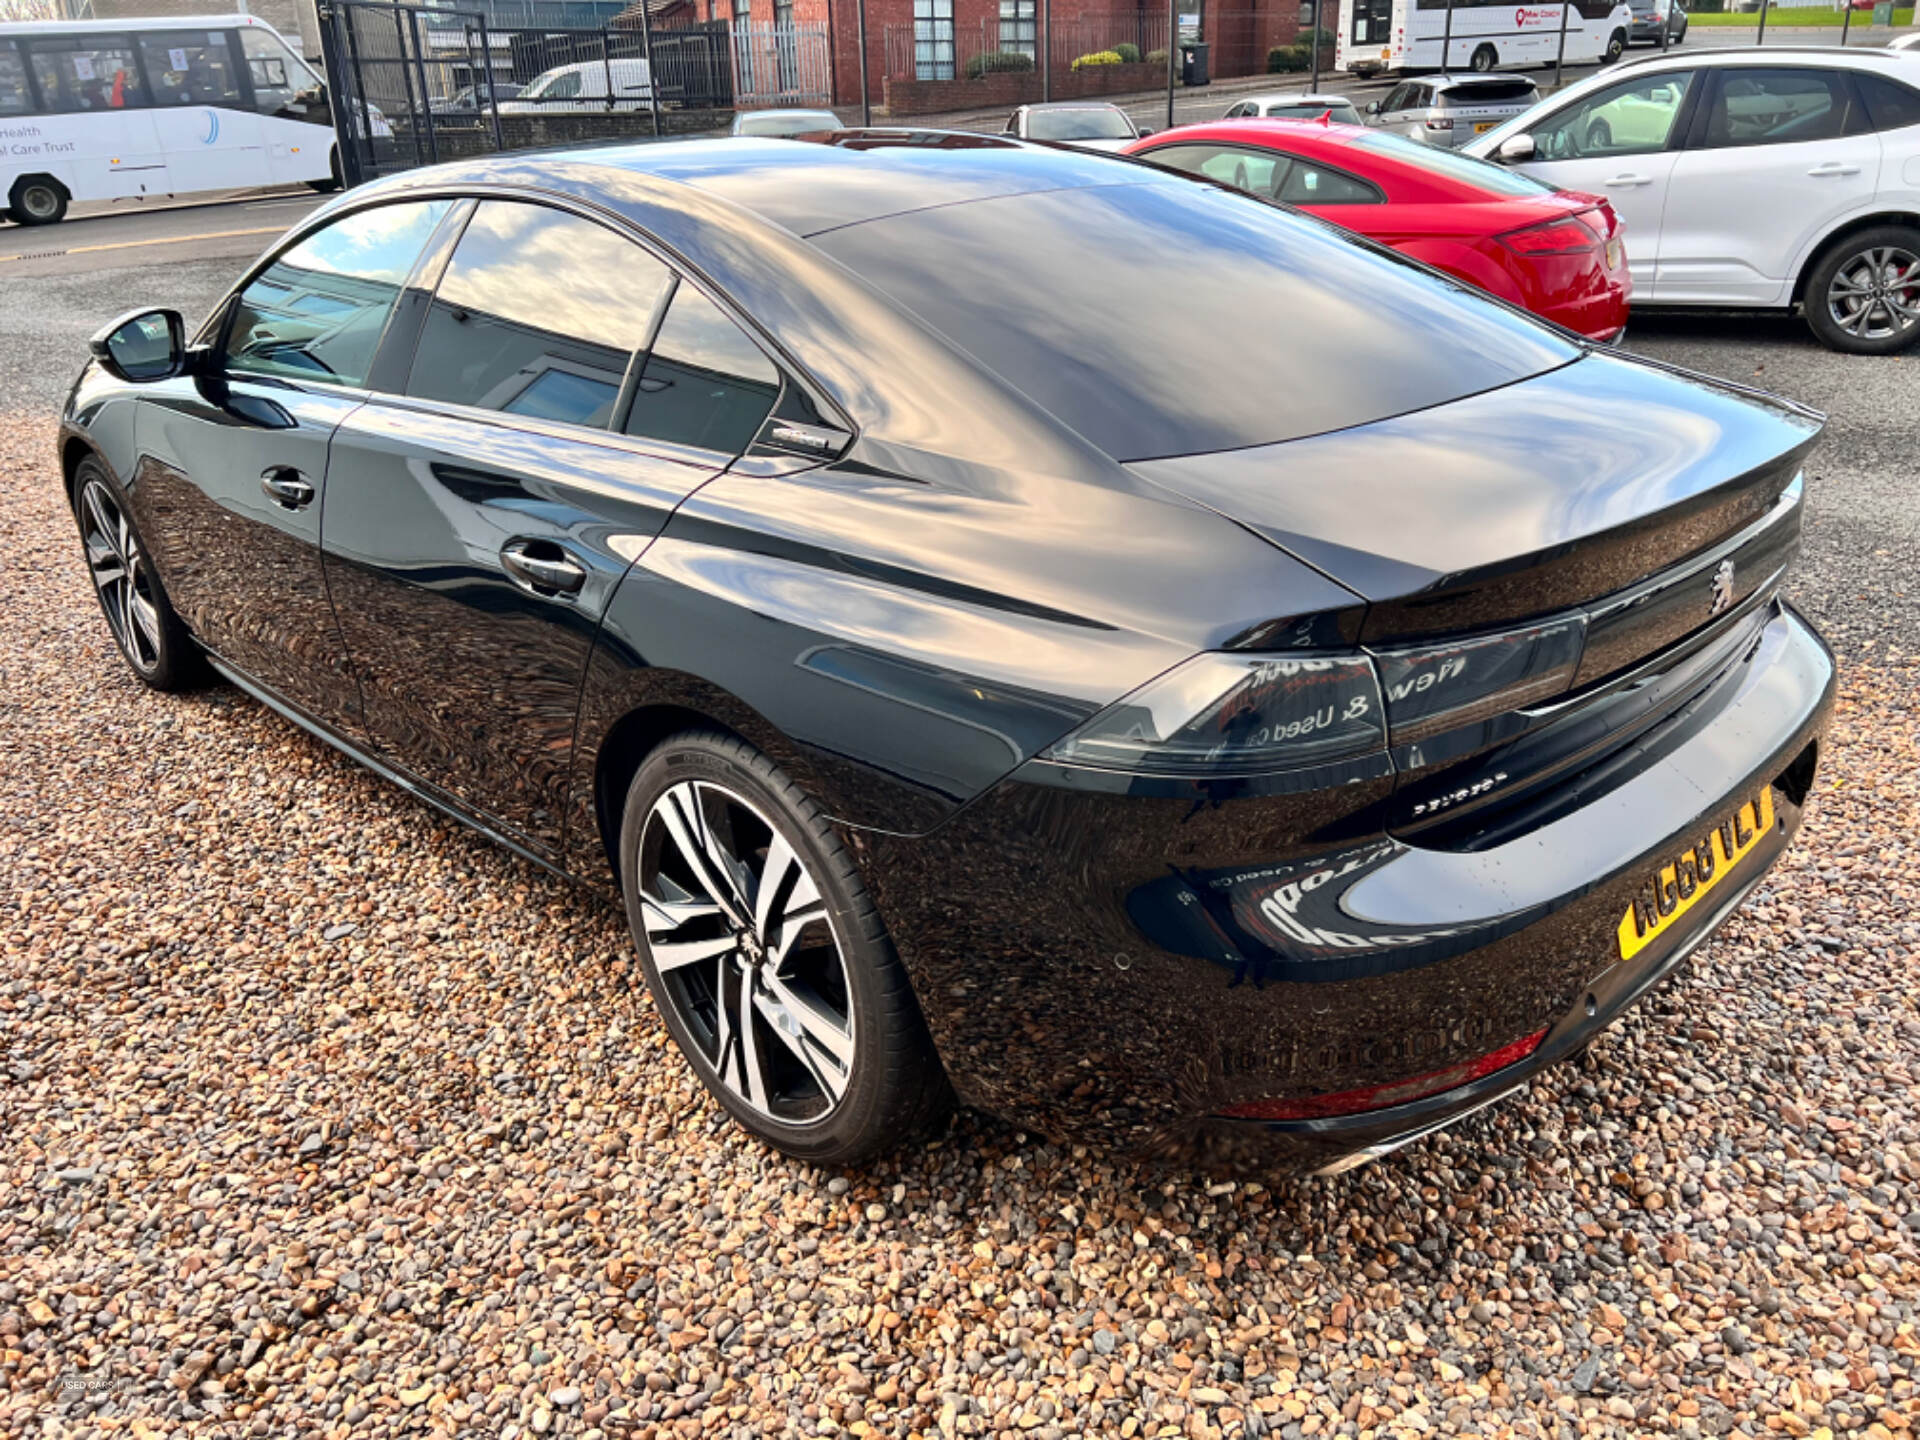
[989, 92]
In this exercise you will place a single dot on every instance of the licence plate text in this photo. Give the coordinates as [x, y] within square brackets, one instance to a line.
[1483, 126]
[1677, 886]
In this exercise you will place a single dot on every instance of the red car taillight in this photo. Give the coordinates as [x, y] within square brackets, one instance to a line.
[1381, 1097]
[1574, 235]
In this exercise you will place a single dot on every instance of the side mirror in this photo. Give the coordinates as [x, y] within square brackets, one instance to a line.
[146, 345]
[1514, 149]
[1143, 131]
[1373, 107]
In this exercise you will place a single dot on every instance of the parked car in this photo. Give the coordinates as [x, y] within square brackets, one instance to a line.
[1905, 42]
[776, 123]
[1650, 15]
[582, 89]
[1294, 107]
[1558, 253]
[1766, 179]
[1000, 615]
[1083, 124]
[1449, 110]
[472, 99]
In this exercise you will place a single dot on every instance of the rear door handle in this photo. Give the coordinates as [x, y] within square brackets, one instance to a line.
[287, 487]
[1834, 167]
[542, 567]
[1630, 179]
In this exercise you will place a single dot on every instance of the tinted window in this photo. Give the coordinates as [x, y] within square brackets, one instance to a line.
[1452, 165]
[318, 311]
[1635, 117]
[95, 73]
[1776, 107]
[537, 314]
[1493, 92]
[15, 98]
[278, 74]
[190, 67]
[1310, 184]
[705, 382]
[1242, 324]
[1257, 172]
[1890, 105]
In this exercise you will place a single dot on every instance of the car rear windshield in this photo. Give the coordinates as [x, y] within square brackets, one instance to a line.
[1168, 318]
[1088, 124]
[1491, 92]
[1452, 165]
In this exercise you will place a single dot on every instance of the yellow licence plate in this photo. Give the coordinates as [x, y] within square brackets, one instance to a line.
[1678, 885]
[1484, 126]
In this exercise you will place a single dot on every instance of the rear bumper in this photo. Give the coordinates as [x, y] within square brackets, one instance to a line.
[1120, 966]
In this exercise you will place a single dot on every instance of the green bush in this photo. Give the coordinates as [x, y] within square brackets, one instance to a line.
[1129, 54]
[1098, 57]
[1286, 59]
[1156, 57]
[999, 62]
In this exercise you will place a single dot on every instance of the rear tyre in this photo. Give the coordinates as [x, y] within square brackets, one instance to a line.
[1616, 47]
[766, 957]
[1863, 294]
[1484, 59]
[334, 181]
[152, 639]
[37, 200]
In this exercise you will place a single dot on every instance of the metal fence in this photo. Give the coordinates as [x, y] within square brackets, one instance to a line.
[788, 64]
[942, 50]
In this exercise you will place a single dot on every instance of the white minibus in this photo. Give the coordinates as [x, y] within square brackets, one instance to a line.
[1400, 36]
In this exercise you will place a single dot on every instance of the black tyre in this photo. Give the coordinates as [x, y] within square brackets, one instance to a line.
[766, 957]
[1862, 296]
[37, 200]
[152, 639]
[1484, 59]
[1616, 47]
[334, 181]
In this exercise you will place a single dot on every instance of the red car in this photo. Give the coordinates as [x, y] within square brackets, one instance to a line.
[1559, 253]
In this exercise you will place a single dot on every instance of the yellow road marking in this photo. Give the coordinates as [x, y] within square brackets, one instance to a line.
[136, 244]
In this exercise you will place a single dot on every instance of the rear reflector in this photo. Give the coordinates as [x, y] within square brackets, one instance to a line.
[1553, 237]
[1382, 1097]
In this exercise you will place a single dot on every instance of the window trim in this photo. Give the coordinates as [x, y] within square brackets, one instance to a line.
[792, 374]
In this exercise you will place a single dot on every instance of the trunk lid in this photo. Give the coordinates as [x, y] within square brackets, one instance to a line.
[1539, 497]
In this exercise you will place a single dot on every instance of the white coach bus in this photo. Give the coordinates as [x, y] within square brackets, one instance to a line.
[1400, 36]
[111, 109]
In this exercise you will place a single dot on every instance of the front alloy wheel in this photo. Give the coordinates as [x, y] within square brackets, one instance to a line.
[767, 958]
[1864, 297]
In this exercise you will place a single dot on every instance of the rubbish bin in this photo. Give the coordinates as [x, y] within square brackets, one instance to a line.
[1193, 62]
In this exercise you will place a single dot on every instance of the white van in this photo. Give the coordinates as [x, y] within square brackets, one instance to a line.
[112, 109]
[581, 89]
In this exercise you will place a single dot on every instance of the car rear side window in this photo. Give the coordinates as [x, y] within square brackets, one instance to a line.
[1306, 183]
[1243, 324]
[705, 383]
[1767, 106]
[1890, 105]
[1258, 172]
[318, 311]
[538, 314]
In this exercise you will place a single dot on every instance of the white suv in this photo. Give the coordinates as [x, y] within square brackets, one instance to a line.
[1762, 178]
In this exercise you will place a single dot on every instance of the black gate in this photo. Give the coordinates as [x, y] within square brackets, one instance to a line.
[413, 86]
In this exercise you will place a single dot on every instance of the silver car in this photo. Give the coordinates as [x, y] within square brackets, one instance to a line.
[1083, 124]
[783, 124]
[1647, 18]
[1449, 110]
[1294, 106]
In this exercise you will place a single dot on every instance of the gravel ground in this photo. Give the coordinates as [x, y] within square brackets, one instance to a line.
[320, 1116]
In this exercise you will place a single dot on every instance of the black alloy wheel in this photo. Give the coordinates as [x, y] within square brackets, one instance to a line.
[766, 958]
[154, 642]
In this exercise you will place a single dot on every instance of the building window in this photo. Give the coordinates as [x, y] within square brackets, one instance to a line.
[1017, 27]
[933, 39]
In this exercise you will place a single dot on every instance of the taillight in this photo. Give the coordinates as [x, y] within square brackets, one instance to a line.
[1439, 122]
[1382, 1097]
[1570, 235]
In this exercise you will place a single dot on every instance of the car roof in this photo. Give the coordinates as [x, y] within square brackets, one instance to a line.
[1865, 56]
[1460, 82]
[1283, 97]
[1072, 105]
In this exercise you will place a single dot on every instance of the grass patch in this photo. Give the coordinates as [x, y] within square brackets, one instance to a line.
[1810, 16]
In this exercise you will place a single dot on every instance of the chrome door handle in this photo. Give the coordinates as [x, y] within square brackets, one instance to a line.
[1834, 167]
[542, 567]
[1629, 179]
[287, 487]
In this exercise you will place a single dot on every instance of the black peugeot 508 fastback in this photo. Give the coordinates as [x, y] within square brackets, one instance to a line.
[1007, 619]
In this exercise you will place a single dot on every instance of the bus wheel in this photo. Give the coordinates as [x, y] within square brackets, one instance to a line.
[1616, 47]
[1484, 59]
[37, 200]
[334, 181]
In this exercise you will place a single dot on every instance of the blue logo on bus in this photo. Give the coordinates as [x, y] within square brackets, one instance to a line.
[213, 128]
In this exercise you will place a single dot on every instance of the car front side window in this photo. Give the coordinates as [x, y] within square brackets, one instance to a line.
[538, 314]
[318, 311]
[1635, 117]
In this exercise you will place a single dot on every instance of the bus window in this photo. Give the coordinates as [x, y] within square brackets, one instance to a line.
[1372, 20]
[190, 67]
[87, 72]
[15, 98]
[279, 75]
